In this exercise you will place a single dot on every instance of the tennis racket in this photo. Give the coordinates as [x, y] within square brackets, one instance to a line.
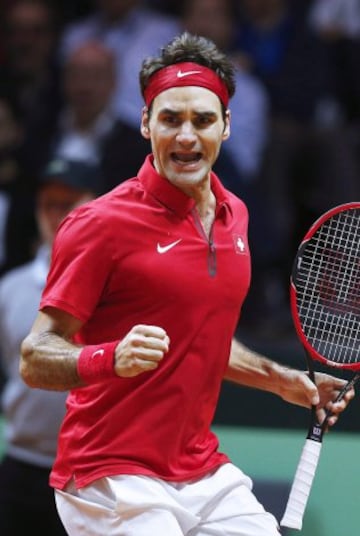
[325, 306]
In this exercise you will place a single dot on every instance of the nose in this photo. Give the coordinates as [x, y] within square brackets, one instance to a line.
[186, 134]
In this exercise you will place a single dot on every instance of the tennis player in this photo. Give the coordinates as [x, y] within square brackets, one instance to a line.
[137, 320]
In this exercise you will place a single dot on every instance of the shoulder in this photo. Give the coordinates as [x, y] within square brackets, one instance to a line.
[102, 211]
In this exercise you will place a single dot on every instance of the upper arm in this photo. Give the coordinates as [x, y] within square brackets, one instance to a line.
[54, 321]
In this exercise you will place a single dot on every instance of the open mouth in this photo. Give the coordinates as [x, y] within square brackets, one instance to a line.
[186, 158]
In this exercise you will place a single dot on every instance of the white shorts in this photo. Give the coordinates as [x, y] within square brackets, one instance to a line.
[219, 504]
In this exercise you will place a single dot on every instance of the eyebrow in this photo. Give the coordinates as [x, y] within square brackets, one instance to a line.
[171, 111]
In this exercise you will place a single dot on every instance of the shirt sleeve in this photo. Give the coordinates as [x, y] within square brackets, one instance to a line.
[80, 265]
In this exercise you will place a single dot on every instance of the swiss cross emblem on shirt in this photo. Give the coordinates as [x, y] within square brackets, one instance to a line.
[240, 244]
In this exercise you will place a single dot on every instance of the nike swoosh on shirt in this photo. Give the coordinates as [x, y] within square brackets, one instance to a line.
[181, 74]
[163, 249]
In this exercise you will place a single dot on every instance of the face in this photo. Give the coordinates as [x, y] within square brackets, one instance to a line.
[89, 81]
[30, 38]
[55, 201]
[186, 129]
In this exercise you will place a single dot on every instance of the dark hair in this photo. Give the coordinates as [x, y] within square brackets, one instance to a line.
[194, 48]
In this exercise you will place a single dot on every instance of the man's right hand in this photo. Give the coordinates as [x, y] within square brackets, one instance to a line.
[141, 350]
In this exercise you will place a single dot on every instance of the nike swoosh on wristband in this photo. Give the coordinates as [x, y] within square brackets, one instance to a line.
[163, 249]
[181, 74]
[98, 352]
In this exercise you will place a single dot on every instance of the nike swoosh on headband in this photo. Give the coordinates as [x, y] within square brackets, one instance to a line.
[181, 74]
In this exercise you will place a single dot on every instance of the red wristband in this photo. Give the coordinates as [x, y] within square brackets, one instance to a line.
[96, 362]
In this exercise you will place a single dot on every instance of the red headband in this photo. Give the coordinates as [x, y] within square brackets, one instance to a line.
[185, 74]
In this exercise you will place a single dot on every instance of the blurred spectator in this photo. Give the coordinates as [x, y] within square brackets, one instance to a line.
[336, 18]
[29, 72]
[278, 47]
[122, 25]
[17, 224]
[33, 416]
[337, 23]
[88, 127]
[309, 163]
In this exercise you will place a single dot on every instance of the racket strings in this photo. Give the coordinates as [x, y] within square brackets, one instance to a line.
[328, 288]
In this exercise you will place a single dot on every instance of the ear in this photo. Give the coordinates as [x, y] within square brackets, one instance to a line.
[144, 128]
[226, 131]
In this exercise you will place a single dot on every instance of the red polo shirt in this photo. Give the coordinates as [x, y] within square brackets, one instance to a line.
[139, 255]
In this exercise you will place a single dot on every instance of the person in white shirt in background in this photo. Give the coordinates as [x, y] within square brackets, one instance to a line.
[32, 416]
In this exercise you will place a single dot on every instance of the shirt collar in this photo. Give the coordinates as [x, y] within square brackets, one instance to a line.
[172, 197]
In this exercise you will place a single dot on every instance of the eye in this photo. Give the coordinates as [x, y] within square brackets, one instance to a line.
[203, 121]
[171, 120]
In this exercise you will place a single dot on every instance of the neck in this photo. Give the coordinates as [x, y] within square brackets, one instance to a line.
[206, 211]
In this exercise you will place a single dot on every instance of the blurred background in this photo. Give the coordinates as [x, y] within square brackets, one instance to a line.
[69, 90]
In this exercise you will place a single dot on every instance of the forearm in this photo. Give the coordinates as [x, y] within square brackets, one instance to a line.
[49, 361]
[251, 369]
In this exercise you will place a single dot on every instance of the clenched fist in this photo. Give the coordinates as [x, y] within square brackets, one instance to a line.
[140, 350]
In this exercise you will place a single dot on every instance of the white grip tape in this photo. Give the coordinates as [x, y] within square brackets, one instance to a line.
[301, 486]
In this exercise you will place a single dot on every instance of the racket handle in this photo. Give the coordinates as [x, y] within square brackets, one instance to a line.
[301, 486]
